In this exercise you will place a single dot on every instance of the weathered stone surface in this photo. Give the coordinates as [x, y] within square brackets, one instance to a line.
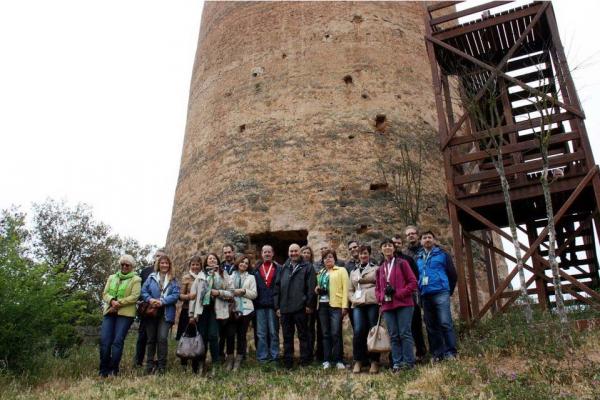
[293, 107]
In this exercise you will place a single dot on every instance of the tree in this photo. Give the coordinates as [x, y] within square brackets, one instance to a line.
[36, 312]
[485, 114]
[402, 170]
[71, 239]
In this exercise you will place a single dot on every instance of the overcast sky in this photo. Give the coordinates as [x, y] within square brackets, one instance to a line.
[93, 101]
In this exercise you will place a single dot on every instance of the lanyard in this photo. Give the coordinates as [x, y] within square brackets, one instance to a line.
[268, 273]
[388, 269]
[426, 258]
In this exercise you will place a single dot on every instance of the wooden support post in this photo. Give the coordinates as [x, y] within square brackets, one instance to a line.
[472, 277]
[540, 283]
[443, 132]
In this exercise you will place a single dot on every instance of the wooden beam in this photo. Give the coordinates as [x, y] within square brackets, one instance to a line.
[467, 11]
[509, 78]
[565, 207]
[512, 148]
[531, 166]
[472, 278]
[506, 129]
[455, 31]
[498, 68]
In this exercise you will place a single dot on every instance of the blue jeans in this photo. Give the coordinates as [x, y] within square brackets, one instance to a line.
[331, 325]
[398, 323]
[438, 321]
[112, 337]
[365, 317]
[267, 332]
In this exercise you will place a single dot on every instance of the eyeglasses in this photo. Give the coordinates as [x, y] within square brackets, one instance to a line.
[125, 265]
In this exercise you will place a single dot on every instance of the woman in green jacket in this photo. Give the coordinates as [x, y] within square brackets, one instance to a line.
[121, 292]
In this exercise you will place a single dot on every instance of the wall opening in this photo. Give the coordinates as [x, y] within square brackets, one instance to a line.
[280, 240]
[380, 122]
[348, 79]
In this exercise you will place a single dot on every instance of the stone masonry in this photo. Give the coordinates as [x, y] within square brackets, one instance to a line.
[295, 111]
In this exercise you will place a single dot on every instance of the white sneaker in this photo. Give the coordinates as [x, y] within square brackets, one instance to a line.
[326, 365]
[340, 365]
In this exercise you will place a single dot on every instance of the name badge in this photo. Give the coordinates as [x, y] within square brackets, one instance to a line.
[425, 281]
[358, 294]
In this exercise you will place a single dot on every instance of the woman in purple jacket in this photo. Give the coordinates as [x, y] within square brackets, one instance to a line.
[394, 286]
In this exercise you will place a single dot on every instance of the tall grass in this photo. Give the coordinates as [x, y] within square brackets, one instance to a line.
[500, 358]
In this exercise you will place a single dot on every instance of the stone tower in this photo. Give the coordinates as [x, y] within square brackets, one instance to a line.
[304, 119]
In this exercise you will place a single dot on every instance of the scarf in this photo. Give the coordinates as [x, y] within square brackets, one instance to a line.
[238, 282]
[210, 281]
[324, 279]
[119, 284]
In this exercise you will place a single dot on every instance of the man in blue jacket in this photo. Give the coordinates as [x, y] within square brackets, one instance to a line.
[437, 280]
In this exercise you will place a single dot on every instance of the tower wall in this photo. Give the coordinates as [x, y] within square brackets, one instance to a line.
[295, 110]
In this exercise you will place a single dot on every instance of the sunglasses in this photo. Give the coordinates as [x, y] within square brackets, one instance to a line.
[125, 265]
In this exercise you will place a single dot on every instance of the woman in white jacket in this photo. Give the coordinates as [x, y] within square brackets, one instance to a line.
[243, 285]
[210, 301]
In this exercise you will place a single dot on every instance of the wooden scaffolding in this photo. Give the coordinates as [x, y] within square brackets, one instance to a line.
[516, 56]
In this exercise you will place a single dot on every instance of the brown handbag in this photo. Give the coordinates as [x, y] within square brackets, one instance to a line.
[145, 310]
[378, 340]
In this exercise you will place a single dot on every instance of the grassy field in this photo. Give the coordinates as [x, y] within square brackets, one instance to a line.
[500, 359]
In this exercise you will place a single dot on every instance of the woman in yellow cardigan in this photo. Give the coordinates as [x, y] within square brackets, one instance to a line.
[120, 294]
[332, 291]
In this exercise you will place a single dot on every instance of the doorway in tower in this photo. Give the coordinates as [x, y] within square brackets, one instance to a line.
[280, 240]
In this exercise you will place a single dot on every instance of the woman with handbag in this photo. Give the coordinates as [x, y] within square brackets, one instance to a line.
[161, 292]
[244, 291]
[332, 292]
[209, 304]
[187, 280]
[120, 294]
[365, 309]
[394, 288]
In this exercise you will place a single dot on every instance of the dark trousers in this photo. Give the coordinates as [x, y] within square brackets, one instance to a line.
[140, 345]
[315, 336]
[209, 329]
[440, 328]
[417, 332]
[237, 330]
[291, 322]
[157, 330]
[182, 325]
[331, 324]
[365, 317]
[112, 338]
[226, 342]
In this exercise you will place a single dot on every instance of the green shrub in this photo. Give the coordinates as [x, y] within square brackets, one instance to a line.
[36, 314]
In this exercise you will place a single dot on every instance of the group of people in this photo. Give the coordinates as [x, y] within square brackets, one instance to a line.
[305, 297]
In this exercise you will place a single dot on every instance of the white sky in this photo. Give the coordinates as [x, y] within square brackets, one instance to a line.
[93, 102]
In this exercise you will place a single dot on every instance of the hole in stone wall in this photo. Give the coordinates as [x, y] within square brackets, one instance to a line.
[242, 128]
[283, 55]
[357, 19]
[362, 229]
[378, 186]
[348, 80]
[350, 136]
[364, 96]
[327, 36]
[380, 122]
[280, 240]
[254, 74]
